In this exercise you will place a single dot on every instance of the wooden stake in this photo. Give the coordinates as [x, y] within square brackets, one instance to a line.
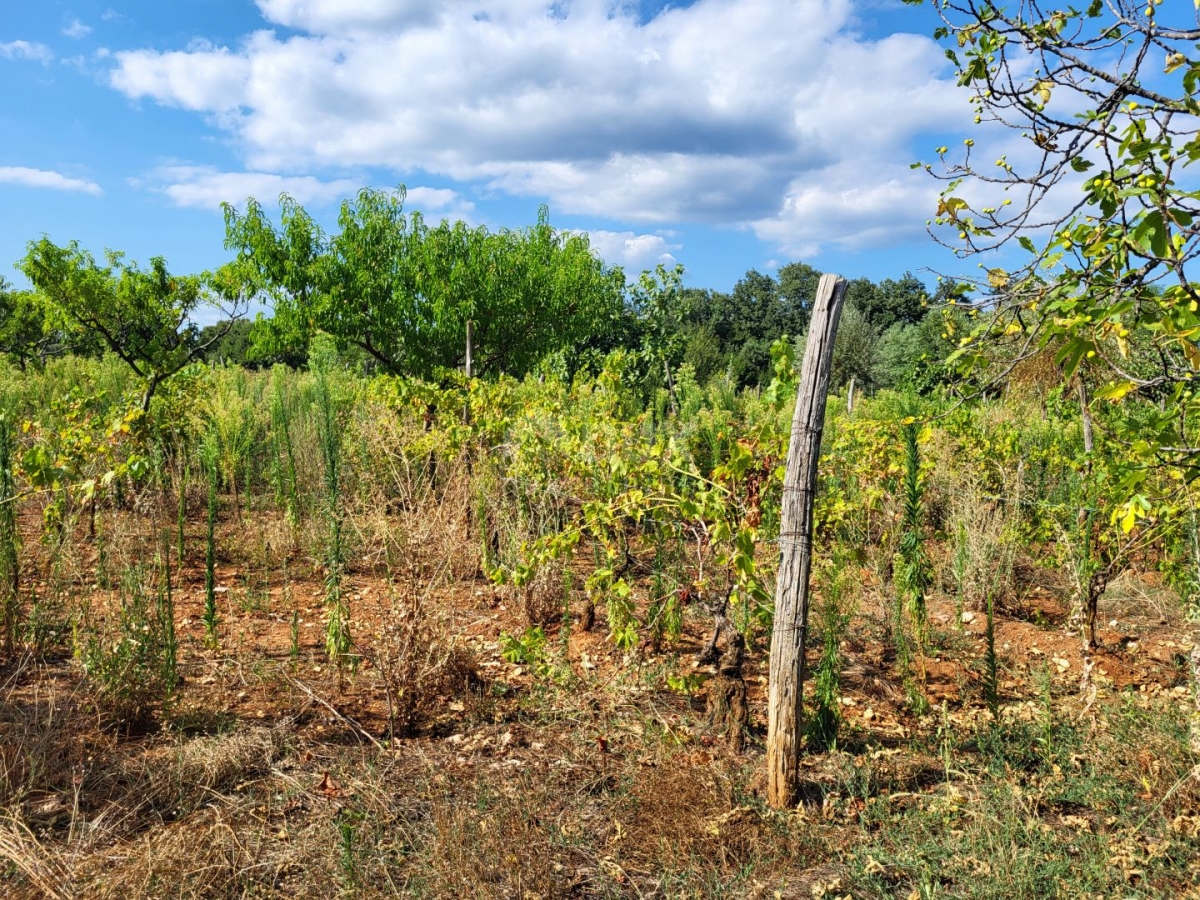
[467, 367]
[795, 545]
[1085, 412]
[470, 348]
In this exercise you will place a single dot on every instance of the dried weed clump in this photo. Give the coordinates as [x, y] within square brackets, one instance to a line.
[544, 598]
[420, 658]
[984, 532]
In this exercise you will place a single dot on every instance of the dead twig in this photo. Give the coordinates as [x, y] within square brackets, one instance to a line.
[358, 729]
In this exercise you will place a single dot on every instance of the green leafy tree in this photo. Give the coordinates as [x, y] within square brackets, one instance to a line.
[797, 290]
[904, 299]
[746, 322]
[705, 327]
[862, 294]
[854, 351]
[24, 335]
[1102, 99]
[250, 344]
[403, 291]
[657, 302]
[911, 357]
[281, 266]
[29, 338]
[232, 347]
[144, 316]
[702, 351]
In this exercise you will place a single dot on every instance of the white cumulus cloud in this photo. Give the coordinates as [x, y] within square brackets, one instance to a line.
[30, 50]
[334, 16]
[439, 203]
[45, 178]
[633, 252]
[204, 187]
[77, 29]
[203, 78]
[752, 113]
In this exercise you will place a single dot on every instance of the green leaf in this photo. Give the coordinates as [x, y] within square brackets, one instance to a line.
[1150, 235]
[1071, 354]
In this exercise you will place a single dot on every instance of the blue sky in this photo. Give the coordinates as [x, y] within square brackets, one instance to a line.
[721, 134]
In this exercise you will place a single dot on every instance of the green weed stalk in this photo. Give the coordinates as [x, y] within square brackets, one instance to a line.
[913, 574]
[127, 664]
[294, 647]
[166, 625]
[211, 461]
[284, 462]
[338, 642]
[991, 675]
[181, 516]
[834, 620]
[10, 568]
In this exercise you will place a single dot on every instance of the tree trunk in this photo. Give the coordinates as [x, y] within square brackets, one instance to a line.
[850, 397]
[795, 544]
[727, 709]
[1097, 581]
[1089, 440]
[671, 389]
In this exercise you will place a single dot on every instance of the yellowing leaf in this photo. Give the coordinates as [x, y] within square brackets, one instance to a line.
[951, 206]
[997, 278]
[1115, 392]
[1191, 352]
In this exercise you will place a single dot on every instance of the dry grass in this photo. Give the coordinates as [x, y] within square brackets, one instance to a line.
[586, 777]
[46, 736]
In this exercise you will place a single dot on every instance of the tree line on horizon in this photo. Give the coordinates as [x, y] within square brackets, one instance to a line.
[397, 293]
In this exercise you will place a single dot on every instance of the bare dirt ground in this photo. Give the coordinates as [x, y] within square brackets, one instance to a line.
[582, 774]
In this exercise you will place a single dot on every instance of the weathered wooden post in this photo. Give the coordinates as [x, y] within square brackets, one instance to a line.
[468, 369]
[469, 366]
[795, 545]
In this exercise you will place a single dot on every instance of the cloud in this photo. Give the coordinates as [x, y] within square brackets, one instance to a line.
[443, 203]
[337, 16]
[204, 187]
[634, 252]
[203, 78]
[76, 29]
[44, 178]
[850, 212]
[27, 50]
[738, 112]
